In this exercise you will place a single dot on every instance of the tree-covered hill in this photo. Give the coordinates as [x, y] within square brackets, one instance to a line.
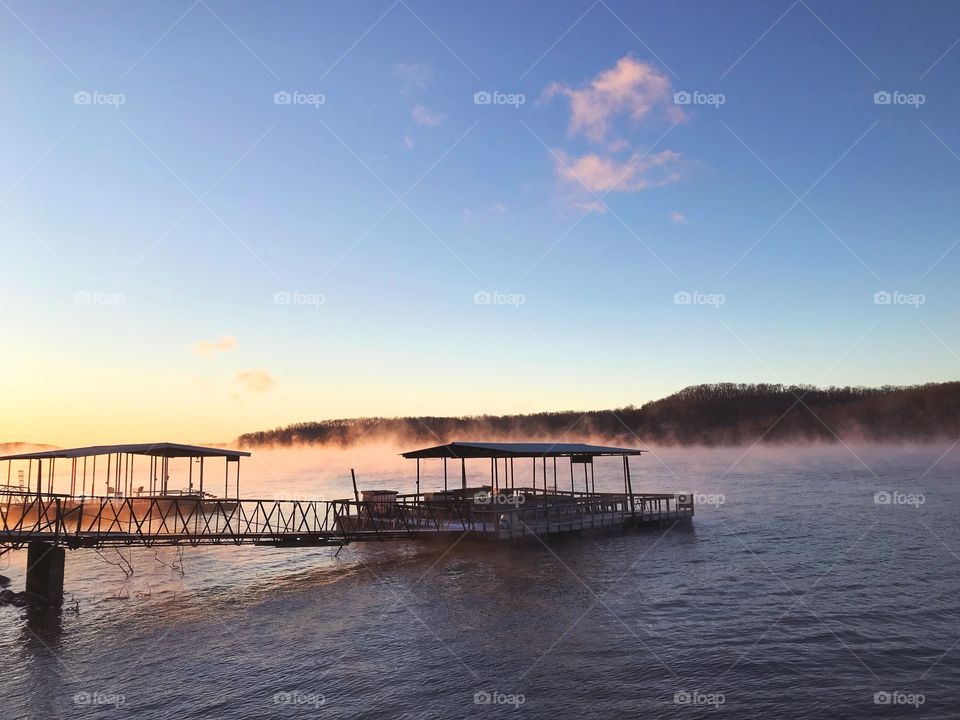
[710, 415]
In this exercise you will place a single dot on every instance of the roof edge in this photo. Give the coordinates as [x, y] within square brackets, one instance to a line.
[468, 450]
[160, 449]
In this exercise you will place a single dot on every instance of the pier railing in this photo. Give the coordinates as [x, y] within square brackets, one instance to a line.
[516, 513]
[167, 520]
[95, 521]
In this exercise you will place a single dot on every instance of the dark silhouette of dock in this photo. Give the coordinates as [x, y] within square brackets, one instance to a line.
[152, 513]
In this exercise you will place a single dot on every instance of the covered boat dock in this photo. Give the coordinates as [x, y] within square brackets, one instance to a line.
[120, 502]
[118, 470]
[558, 499]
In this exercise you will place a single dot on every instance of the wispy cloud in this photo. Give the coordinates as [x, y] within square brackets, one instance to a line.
[495, 210]
[208, 348]
[257, 381]
[589, 206]
[422, 116]
[413, 77]
[631, 88]
[603, 174]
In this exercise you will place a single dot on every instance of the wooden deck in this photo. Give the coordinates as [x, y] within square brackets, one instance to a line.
[515, 515]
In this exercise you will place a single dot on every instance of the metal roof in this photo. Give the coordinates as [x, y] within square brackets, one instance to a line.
[517, 450]
[163, 449]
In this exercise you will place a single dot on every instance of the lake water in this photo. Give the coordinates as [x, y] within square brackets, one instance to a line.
[796, 592]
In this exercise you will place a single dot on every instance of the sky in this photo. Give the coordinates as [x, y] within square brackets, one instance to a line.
[220, 217]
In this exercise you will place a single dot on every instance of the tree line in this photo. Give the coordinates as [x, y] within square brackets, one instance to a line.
[710, 415]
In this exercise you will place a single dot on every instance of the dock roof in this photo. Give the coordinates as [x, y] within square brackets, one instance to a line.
[160, 449]
[517, 450]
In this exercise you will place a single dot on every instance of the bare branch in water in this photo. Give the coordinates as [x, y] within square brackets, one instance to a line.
[123, 563]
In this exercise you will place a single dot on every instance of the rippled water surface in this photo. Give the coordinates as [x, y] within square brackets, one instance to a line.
[799, 596]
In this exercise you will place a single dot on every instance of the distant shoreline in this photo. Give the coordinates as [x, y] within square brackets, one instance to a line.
[718, 415]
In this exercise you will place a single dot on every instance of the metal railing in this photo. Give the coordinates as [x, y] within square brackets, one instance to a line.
[173, 520]
[96, 521]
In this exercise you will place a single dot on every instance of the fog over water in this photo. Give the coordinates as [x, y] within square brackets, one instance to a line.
[810, 580]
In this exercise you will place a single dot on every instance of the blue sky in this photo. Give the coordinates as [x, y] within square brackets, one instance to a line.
[156, 196]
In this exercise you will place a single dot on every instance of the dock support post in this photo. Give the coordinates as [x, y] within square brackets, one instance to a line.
[45, 572]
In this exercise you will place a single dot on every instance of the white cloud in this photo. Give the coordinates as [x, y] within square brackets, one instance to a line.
[208, 348]
[422, 116]
[630, 87]
[258, 381]
[600, 174]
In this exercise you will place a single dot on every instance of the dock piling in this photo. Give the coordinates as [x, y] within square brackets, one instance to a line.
[45, 563]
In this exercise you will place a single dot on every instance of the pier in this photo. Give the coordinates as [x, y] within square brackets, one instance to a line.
[133, 511]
